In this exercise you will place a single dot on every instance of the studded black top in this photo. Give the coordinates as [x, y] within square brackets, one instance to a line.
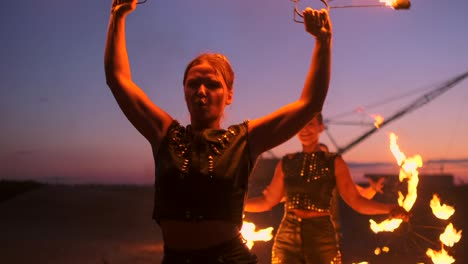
[309, 180]
[202, 175]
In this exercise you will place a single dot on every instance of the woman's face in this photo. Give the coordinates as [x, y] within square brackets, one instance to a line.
[206, 94]
[310, 133]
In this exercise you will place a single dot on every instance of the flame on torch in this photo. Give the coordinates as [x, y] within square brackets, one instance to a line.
[387, 2]
[397, 4]
[378, 120]
[408, 170]
[450, 236]
[388, 225]
[441, 211]
[440, 257]
[249, 234]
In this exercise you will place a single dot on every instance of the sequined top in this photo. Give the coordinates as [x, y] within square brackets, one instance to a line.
[202, 175]
[309, 180]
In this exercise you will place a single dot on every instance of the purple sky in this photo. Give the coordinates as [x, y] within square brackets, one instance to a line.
[59, 119]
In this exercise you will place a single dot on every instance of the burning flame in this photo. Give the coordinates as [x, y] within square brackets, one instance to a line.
[440, 257]
[387, 2]
[441, 211]
[450, 236]
[249, 234]
[397, 4]
[408, 170]
[378, 120]
[388, 225]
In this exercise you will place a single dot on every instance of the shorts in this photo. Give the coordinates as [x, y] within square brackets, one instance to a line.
[308, 240]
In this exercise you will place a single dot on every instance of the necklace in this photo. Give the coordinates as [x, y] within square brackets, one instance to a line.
[184, 140]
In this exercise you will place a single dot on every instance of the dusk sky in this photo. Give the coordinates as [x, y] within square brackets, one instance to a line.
[59, 119]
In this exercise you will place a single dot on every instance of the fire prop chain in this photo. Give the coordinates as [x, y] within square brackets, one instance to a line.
[409, 172]
[394, 4]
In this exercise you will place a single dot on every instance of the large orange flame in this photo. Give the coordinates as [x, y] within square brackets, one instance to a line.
[409, 171]
[251, 235]
[441, 211]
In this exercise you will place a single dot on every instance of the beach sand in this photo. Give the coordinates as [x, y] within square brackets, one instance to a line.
[80, 224]
[85, 224]
[109, 224]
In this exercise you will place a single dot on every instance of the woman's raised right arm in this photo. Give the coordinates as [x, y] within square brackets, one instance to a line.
[151, 121]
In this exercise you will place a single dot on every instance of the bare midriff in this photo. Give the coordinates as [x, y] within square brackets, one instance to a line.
[185, 235]
[307, 213]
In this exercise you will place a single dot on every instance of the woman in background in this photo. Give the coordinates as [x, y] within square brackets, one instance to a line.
[307, 180]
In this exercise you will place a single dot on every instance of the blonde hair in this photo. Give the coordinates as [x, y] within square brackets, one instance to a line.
[220, 64]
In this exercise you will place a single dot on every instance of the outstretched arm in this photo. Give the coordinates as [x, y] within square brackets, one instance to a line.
[272, 195]
[351, 196]
[146, 117]
[279, 126]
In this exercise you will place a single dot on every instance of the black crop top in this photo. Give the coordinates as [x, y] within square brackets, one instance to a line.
[309, 180]
[202, 175]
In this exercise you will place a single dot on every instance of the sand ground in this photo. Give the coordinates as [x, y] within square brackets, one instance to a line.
[86, 224]
[83, 224]
[80, 224]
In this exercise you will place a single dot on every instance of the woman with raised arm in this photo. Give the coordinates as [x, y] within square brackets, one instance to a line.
[202, 169]
[307, 180]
